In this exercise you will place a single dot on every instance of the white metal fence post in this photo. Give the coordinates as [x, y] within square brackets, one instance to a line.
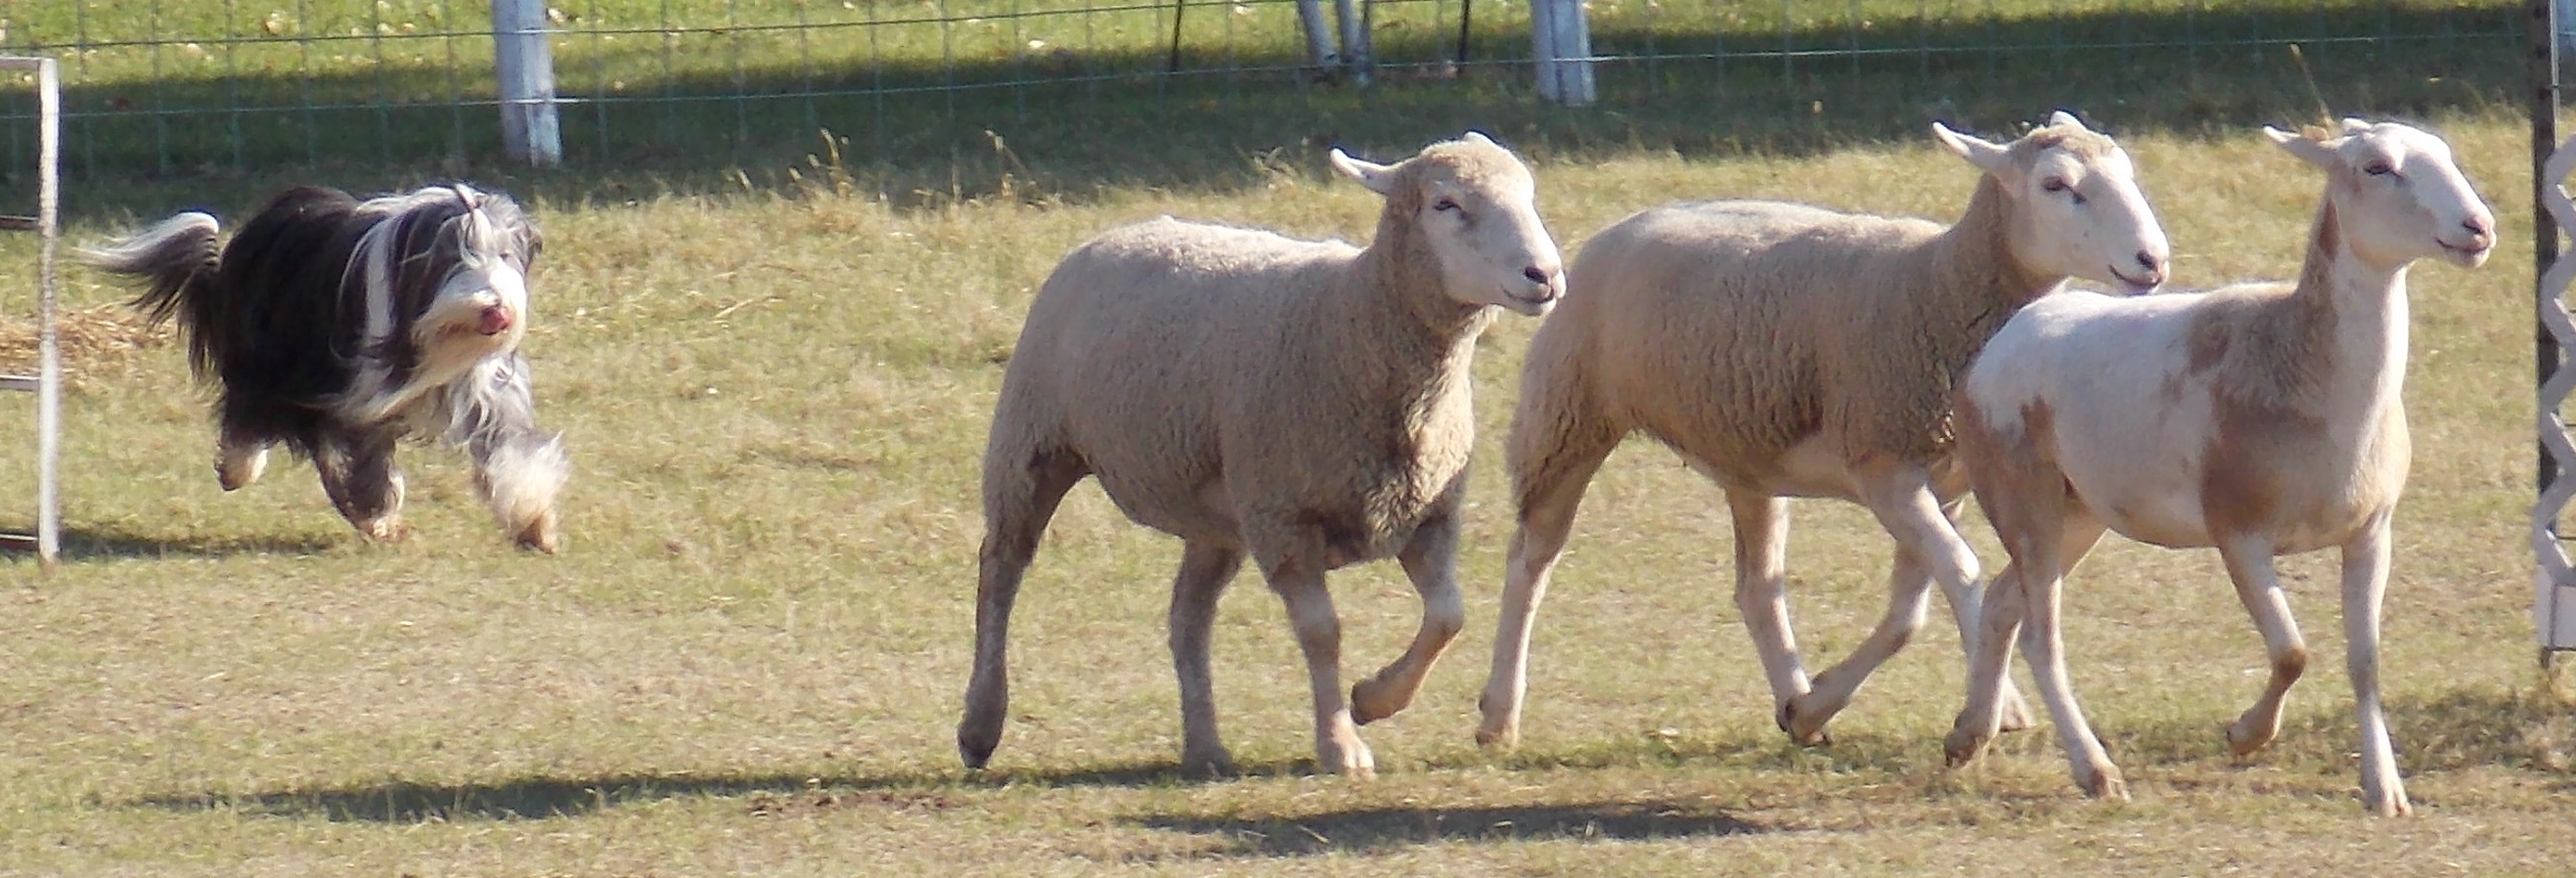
[524, 62]
[1561, 44]
[47, 383]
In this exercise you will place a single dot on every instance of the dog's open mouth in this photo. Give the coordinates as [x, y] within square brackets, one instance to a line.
[495, 320]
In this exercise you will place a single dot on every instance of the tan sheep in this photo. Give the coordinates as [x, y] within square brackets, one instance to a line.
[1789, 351]
[1305, 403]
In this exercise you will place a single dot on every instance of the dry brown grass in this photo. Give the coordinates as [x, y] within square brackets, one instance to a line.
[748, 660]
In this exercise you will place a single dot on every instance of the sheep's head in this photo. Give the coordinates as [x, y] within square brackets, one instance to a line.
[2074, 205]
[2396, 194]
[1476, 209]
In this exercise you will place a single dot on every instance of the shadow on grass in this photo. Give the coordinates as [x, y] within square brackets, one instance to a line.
[1368, 829]
[2528, 731]
[529, 798]
[91, 544]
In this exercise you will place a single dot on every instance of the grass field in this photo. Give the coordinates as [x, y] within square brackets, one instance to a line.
[748, 659]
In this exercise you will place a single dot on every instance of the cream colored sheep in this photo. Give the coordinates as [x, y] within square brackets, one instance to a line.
[1305, 403]
[2261, 420]
[1789, 351]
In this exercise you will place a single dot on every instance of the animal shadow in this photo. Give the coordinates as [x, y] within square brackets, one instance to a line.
[1379, 828]
[89, 543]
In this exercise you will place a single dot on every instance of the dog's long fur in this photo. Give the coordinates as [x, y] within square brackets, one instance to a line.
[335, 327]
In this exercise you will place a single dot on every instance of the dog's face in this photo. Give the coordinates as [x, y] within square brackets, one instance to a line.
[482, 306]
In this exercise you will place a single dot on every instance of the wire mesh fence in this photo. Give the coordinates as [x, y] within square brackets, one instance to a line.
[161, 87]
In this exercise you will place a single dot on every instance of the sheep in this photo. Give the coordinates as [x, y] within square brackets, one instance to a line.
[1305, 403]
[2257, 419]
[1785, 350]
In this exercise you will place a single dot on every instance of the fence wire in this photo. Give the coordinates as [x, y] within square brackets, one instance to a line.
[205, 86]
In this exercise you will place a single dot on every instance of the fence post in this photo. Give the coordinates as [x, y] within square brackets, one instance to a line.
[1355, 38]
[524, 61]
[1561, 44]
[1319, 36]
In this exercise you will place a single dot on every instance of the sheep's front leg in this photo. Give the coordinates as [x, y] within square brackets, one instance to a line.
[2093, 770]
[1300, 583]
[1206, 569]
[1762, 596]
[1430, 560]
[2249, 566]
[2365, 583]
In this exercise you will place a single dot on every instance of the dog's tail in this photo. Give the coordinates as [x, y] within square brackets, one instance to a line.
[176, 261]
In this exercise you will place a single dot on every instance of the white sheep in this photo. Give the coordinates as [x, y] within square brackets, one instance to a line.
[1785, 350]
[2259, 419]
[1305, 403]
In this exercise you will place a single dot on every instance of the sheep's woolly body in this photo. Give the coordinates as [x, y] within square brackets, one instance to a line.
[1786, 350]
[1737, 331]
[1301, 403]
[1235, 386]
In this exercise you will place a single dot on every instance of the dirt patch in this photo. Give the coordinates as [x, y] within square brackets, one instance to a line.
[810, 802]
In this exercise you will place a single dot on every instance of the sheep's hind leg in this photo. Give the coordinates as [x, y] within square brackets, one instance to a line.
[1300, 583]
[2249, 566]
[1430, 559]
[1902, 498]
[1019, 498]
[1206, 569]
[1552, 459]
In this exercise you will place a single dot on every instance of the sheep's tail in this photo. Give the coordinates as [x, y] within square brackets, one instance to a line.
[176, 260]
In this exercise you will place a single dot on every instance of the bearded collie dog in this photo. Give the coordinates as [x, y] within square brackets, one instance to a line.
[335, 327]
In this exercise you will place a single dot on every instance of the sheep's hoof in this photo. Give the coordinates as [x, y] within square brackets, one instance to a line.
[977, 738]
[2387, 803]
[1372, 700]
[1803, 731]
[2105, 784]
[1962, 747]
[1348, 758]
[2244, 738]
[1505, 737]
[1211, 761]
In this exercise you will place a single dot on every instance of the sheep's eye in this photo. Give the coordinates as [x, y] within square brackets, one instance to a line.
[1446, 204]
[2053, 184]
[2379, 169]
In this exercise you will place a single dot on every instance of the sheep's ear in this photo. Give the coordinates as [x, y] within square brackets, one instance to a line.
[2065, 118]
[1378, 178]
[1478, 138]
[2320, 153]
[2353, 125]
[1984, 155]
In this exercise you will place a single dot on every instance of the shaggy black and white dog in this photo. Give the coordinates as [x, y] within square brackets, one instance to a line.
[335, 327]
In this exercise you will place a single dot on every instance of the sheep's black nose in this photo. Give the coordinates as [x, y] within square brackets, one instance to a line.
[1536, 274]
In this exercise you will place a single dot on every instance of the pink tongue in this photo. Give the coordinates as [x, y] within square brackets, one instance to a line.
[495, 321]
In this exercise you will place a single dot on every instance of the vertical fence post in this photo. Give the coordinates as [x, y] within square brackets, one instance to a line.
[524, 61]
[1319, 36]
[49, 364]
[2554, 601]
[1561, 47]
[1355, 39]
